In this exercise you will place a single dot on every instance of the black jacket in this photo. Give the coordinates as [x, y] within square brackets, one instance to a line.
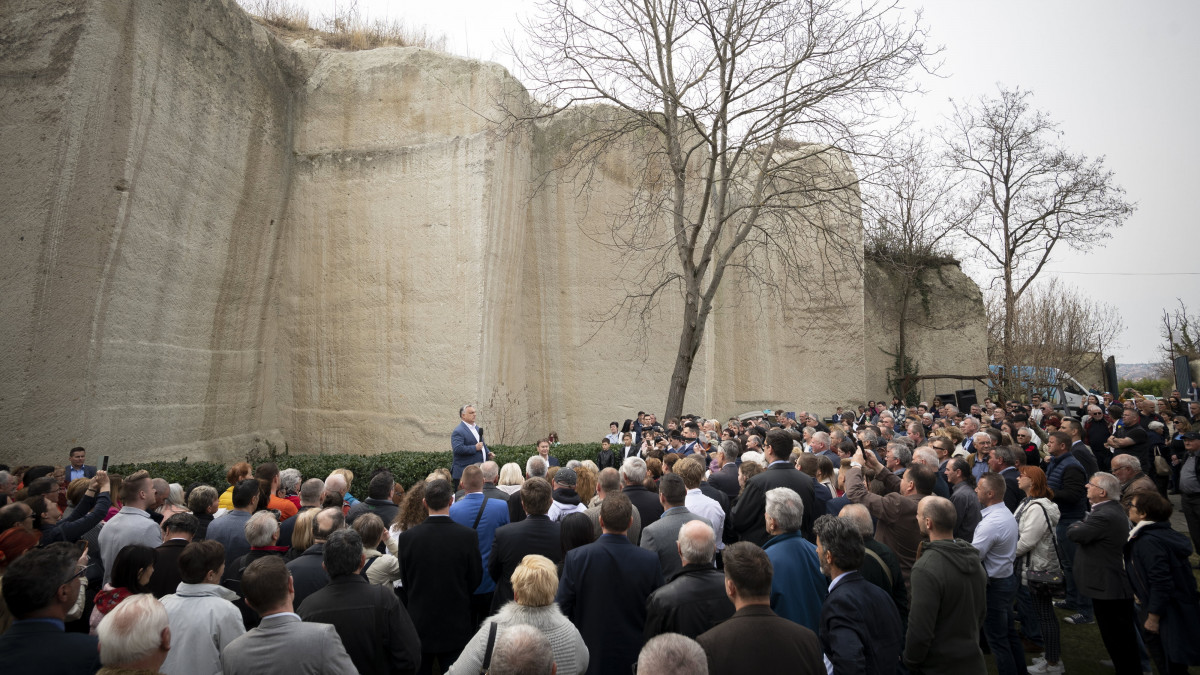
[287, 527]
[1013, 494]
[375, 628]
[536, 535]
[692, 602]
[646, 502]
[747, 516]
[384, 508]
[308, 575]
[860, 628]
[441, 567]
[726, 480]
[1099, 555]
[166, 579]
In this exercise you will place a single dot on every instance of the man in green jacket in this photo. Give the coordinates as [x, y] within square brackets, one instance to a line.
[949, 597]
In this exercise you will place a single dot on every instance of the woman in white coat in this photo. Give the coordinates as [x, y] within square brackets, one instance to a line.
[1037, 517]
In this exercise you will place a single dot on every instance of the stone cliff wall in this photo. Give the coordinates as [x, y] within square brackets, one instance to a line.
[216, 240]
[145, 173]
[946, 331]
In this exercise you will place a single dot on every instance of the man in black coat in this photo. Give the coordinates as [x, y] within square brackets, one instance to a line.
[755, 634]
[440, 567]
[378, 501]
[1100, 570]
[1004, 462]
[726, 479]
[375, 628]
[536, 535]
[633, 473]
[308, 574]
[179, 530]
[748, 515]
[604, 588]
[861, 630]
[694, 599]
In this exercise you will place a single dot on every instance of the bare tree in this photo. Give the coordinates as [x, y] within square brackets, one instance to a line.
[1181, 337]
[908, 222]
[1028, 196]
[719, 95]
[1057, 327]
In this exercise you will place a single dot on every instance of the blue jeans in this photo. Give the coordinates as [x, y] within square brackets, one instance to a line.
[1075, 600]
[999, 629]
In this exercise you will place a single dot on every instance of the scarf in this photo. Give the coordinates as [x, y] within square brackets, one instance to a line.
[108, 599]
[1136, 528]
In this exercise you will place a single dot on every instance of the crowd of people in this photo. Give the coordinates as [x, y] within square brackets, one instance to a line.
[881, 540]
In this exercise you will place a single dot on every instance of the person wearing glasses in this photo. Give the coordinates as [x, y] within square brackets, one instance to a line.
[40, 589]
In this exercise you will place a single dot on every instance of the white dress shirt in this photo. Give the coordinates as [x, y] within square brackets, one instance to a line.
[700, 504]
[996, 540]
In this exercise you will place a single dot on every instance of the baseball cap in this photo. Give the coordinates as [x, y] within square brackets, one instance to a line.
[565, 477]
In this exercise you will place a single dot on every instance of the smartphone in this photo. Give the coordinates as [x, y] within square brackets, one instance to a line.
[792, 415]
[104, 463]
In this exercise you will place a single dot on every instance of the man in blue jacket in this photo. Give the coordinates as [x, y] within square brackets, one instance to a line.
[466, 442]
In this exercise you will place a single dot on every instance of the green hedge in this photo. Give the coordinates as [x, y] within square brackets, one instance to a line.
[407, 467]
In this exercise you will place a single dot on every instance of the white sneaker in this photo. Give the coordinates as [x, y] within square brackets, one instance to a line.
[1038, 661]
[1044, 668]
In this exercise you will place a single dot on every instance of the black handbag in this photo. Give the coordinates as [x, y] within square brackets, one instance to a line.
[1047, 581]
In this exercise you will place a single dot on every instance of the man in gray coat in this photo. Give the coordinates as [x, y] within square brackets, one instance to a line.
[661, 535]
[309, 647]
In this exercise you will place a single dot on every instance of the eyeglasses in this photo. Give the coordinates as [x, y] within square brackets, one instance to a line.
[79, 570]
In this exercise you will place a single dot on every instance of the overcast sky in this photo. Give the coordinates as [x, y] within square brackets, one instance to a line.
[1120, 78]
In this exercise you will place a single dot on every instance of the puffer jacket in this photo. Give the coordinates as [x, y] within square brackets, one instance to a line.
[1035, 545]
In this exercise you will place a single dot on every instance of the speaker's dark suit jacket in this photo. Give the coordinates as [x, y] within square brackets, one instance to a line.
[756, 635]
[603, 591]
[748, 520]
[1100, 552]
[462, 446]
[860, 628]
[441, 567]
[89, 471]
[536, 535]
[42, 648]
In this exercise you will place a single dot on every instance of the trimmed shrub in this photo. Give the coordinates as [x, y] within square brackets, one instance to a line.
[407, 467]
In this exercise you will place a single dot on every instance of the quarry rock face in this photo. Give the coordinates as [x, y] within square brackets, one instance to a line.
[214, 240]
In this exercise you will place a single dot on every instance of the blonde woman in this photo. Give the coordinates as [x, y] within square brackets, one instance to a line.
[535, 581]
[511, 478]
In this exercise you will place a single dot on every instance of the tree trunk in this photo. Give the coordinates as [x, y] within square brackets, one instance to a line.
[690, 337]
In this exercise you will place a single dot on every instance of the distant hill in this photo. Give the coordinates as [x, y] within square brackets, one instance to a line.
[1137, 371]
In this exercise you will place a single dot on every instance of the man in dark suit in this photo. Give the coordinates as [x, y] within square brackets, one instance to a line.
[77, 468]
[308, 571]
[466, 443]
[39, 588]
[604, 588]
[270, 591]
[861, 630]
[535, 535]
[633, 473]
[311, 494]
[1004, 462]
[375, 629]
[178, 531]
[754, 634]
[440, 567]
[1100, 570]
[726, 478]
[748, 515]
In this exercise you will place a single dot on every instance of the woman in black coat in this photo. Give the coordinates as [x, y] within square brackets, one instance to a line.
[1156, 560]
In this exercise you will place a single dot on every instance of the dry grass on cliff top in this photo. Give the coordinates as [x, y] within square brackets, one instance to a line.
[345, 28]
